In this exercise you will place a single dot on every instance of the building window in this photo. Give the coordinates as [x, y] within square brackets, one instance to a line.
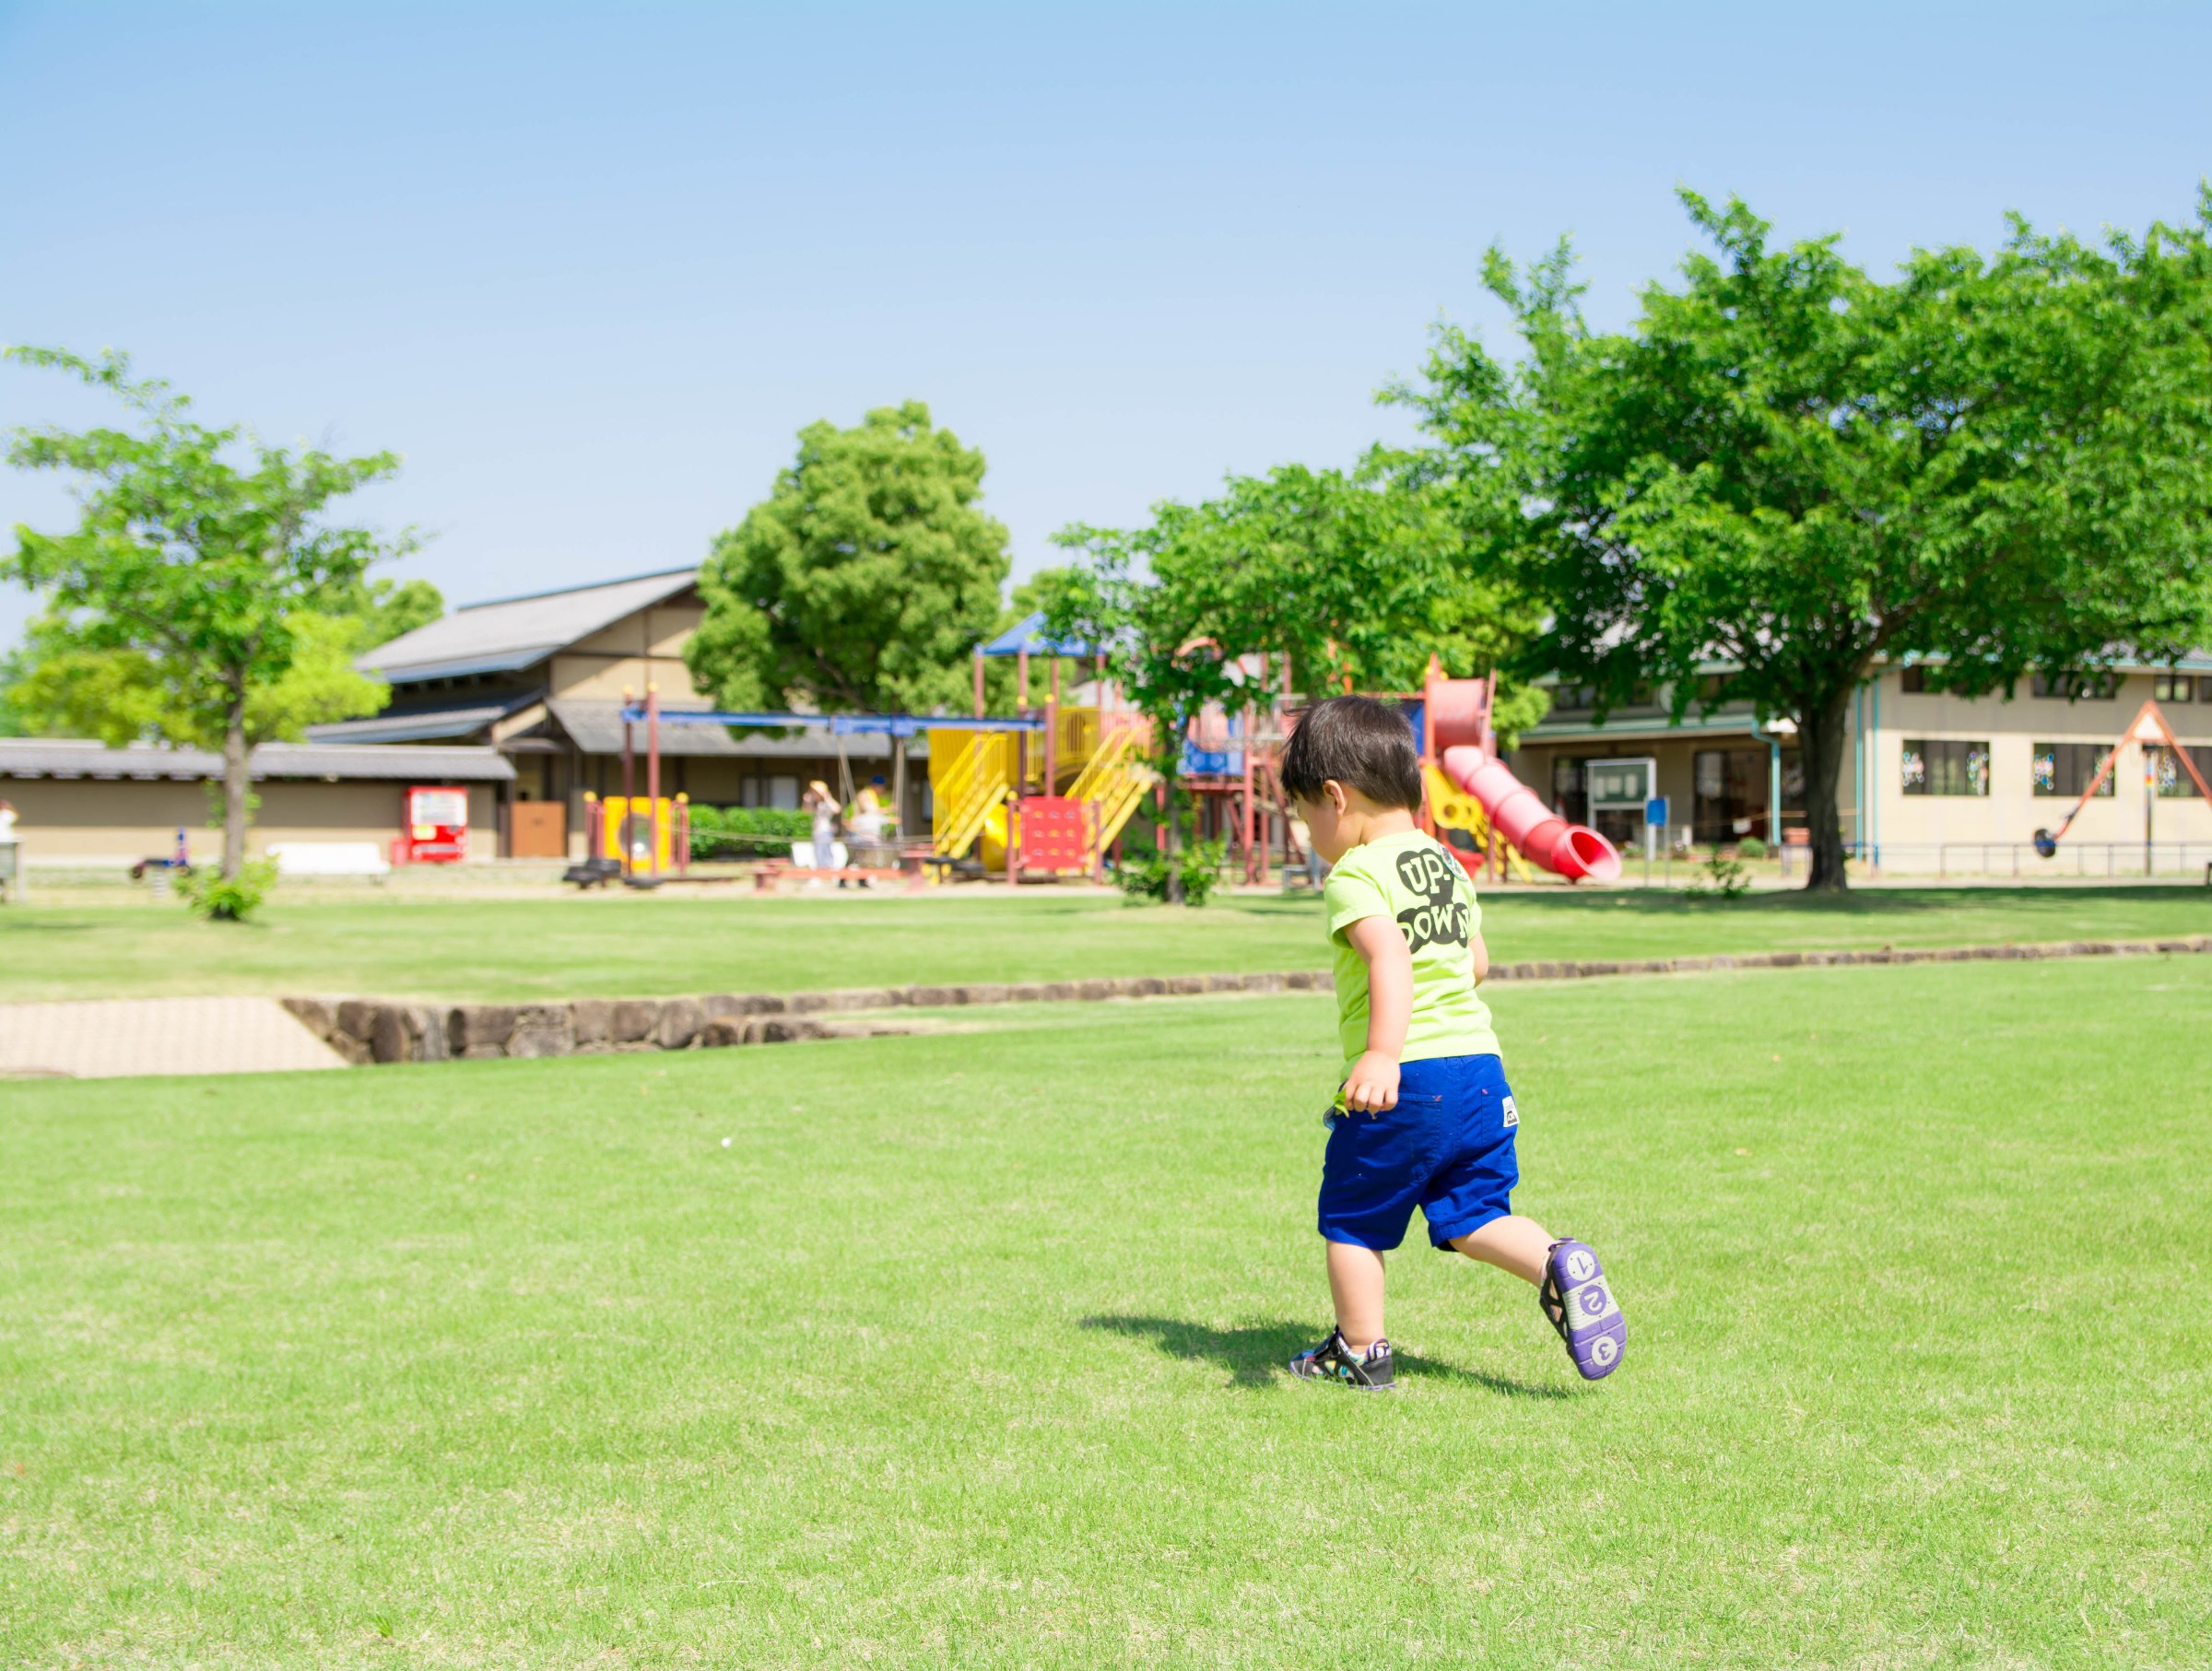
[2173, 784]
[2076, 686]
[2171, 686]
[1574, 698]
[2067, 768]
[1912, 681]
[1944, 767]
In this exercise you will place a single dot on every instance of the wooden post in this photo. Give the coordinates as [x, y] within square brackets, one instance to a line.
[1021, 779]
[1021, 679]
[979, 681]
[683, 834]
[898, 790]
[1052, 730]
[1250, 864]
[653, 780]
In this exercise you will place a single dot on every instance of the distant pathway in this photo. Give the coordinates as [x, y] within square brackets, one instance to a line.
[109, 1037]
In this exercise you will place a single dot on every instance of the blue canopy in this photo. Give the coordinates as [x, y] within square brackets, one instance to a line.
[1027, 637]
[838, 724]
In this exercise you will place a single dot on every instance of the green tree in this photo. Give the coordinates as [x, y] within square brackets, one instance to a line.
[862, 582]
[1356, 578]
[195, 601]
[2001, 464]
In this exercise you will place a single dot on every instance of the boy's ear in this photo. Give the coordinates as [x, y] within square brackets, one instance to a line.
[1337, 796]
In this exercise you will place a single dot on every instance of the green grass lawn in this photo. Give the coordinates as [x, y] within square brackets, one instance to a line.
[509, 949]
[966, 1352]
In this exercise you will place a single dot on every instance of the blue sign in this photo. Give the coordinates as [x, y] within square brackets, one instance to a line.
[1655, 812]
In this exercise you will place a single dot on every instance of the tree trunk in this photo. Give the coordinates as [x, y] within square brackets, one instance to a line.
[1822, 730]
[236, 785]
[1169, 850]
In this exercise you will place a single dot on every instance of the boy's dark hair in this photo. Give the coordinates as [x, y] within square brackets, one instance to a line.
[1362, 745]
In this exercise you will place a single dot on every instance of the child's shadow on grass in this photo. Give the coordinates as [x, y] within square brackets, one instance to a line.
[1261, 1353]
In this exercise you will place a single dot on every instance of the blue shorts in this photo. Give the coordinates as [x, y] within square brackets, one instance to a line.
[1446, 1149]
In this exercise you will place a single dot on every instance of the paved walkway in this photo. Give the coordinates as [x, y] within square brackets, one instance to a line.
[109, 1037]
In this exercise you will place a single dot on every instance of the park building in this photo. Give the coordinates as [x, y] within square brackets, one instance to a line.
[81, 805]
[1931, 783]
[539, 681]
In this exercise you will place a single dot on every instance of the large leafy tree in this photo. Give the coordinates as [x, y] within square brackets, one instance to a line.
[1997, 462]
[1352, 577]
[202, 598]
[862, 582]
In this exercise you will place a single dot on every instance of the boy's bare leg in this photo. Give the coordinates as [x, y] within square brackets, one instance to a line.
[1512, 1243]
[1355, 1287]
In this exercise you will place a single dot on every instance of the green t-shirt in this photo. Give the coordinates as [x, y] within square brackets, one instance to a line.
[1412, 879]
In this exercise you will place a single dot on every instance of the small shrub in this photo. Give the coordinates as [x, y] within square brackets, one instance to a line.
[222, 898]
[1144, 876]
[1201, 866]
[1720, 878]
[1750, 847]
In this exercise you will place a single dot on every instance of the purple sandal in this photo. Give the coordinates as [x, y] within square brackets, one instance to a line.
[1578, 1302]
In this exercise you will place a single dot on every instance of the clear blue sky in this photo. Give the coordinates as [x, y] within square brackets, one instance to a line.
[589, 269]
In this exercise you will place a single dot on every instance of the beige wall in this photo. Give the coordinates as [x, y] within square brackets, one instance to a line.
[101, 821]
[2012, 811]
[647, 647]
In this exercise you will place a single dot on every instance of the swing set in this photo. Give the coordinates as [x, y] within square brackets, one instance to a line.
[2149, 729]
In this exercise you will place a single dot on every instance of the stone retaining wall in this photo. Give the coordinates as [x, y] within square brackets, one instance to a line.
[370, 1030]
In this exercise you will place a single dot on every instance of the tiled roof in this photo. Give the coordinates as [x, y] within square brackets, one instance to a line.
[596, 728]
[417, 726]
[81, 758]
[515, 633]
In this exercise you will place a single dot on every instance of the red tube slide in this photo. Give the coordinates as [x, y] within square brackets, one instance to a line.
[1544, 839]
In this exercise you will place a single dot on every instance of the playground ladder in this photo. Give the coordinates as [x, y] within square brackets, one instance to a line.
[1113, 784]
[974, 782]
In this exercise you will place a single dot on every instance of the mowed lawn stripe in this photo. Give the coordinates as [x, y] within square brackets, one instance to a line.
[965, 1350]
[618, 945]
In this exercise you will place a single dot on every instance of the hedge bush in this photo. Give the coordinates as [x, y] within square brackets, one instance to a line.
[746, 832]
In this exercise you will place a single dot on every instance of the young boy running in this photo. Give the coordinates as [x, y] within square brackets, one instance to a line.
[1424, 1116]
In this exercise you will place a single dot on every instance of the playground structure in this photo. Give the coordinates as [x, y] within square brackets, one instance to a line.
[1047, 791]
[1473, 804]
[2149, 729]
[1048, 794]
[1495, 809]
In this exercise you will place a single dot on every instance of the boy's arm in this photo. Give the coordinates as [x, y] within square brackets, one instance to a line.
[1373, 1085]
[1482, 958]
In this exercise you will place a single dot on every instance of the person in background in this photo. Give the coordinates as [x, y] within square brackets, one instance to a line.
[868, 822]
[822, 805]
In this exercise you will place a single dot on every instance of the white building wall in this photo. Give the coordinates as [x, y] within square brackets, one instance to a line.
[1907, 828]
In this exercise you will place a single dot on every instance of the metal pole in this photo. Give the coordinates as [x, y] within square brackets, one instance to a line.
[653, 780]
[2150, 801]
[629, 799]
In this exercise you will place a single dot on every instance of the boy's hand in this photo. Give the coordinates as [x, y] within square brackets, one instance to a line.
[1373, 1085]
